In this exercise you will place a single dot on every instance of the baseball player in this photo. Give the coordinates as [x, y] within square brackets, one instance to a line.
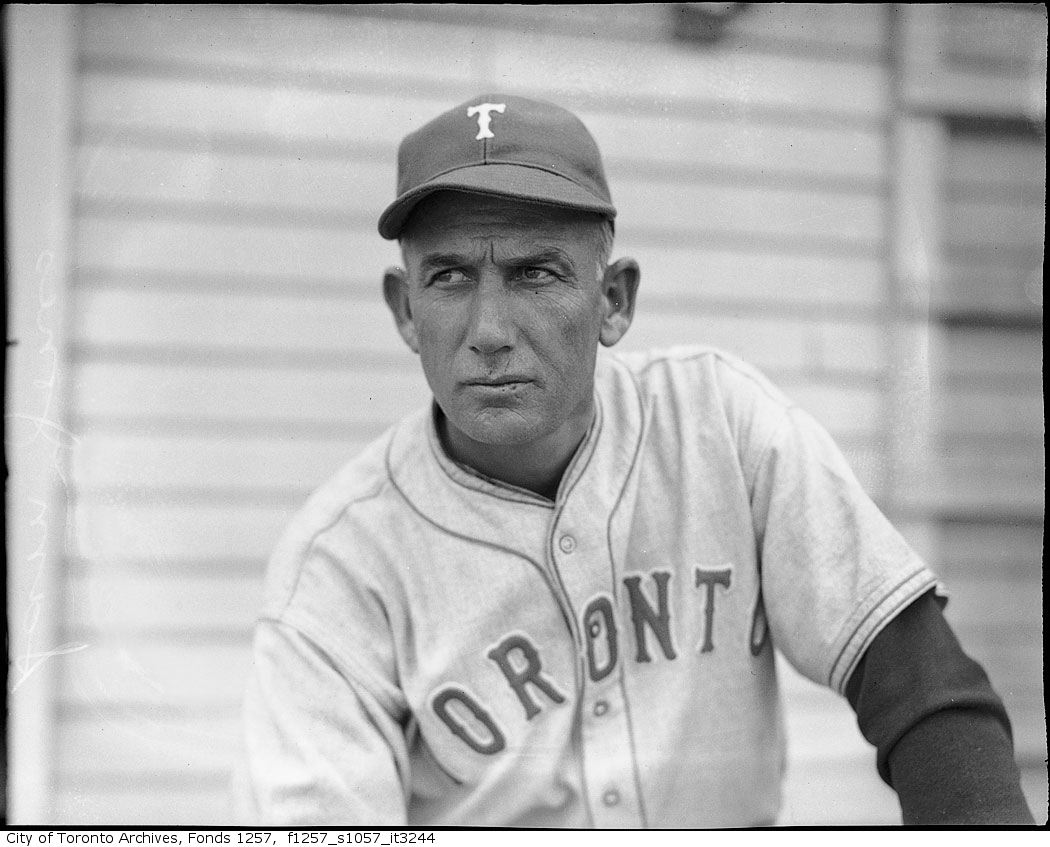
[552, 596]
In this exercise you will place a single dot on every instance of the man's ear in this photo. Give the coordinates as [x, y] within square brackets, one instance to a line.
[395, 292]
[619, 289]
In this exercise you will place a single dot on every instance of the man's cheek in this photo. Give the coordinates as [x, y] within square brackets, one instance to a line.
[434, 347]
[437, 370]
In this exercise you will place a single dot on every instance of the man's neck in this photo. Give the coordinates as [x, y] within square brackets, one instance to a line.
[537, 466]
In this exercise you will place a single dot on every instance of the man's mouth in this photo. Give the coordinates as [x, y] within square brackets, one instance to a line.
[498, 380]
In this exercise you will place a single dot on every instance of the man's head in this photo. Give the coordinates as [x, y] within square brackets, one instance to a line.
[506, 290]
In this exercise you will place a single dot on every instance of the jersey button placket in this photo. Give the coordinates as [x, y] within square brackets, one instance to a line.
[580, 556]
[607, 759]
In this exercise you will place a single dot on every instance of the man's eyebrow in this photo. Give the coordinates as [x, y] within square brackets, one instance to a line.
[431, 260]
[541, 257]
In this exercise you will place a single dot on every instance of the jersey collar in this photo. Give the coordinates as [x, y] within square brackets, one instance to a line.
[465, 502]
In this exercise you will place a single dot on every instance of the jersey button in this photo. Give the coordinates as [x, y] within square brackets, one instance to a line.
[567, 543]
[611, 797]
[600, 708]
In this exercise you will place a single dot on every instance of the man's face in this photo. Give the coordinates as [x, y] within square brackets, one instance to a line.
[507, 309]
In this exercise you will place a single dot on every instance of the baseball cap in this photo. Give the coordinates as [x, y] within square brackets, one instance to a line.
[503, 146]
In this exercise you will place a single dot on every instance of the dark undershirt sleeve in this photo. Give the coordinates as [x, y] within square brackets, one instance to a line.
[943, 737]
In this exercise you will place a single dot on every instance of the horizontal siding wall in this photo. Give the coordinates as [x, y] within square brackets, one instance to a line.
[994, 187]
[988, 486]
[231, 350]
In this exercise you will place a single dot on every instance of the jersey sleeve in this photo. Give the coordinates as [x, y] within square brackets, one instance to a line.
[834, 570]
[320, 747]
[942, 734]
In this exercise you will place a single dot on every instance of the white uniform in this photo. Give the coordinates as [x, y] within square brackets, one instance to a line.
[441, 648]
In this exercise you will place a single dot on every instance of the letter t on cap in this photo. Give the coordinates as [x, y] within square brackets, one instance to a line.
[484, 112]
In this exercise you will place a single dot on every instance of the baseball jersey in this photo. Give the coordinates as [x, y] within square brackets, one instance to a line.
[441, 648]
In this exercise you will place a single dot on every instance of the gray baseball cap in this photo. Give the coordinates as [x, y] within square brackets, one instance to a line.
[503, 146]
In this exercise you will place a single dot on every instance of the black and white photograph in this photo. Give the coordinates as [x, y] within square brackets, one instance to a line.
[564, 417]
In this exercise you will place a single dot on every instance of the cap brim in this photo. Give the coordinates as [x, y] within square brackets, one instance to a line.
[517, 182]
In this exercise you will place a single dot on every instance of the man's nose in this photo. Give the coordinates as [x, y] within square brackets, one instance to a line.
[492, 326]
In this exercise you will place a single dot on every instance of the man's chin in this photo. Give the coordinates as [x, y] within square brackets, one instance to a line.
[498, 428]
[493, 434]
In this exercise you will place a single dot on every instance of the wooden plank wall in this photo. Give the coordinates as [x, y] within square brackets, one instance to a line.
[987, 482]
[230, 348]
[989, 490]
[38, 70]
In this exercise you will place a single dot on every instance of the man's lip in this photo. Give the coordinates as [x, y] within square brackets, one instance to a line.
[499, 380]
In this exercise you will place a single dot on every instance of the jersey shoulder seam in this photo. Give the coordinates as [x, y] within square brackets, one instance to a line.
[308, 547]
[767, 448]
[785, 403]
[725, 359]
[348, 667]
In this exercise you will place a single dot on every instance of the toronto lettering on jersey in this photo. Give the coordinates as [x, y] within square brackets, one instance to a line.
[519, 660]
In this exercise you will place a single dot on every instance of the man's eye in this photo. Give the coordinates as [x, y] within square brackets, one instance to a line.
[449, 277]
[537, 274]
